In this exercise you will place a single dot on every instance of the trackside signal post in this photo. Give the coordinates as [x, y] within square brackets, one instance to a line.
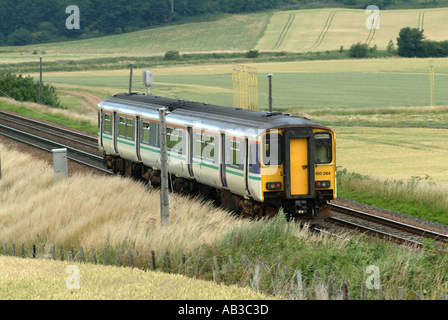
[164, 196]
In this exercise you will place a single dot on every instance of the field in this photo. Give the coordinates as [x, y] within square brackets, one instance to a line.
[303, 86]
[28, 279]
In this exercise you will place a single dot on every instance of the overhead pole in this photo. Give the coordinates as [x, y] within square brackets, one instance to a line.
[40, 83]
[130, 78]
[431, 81]
[164, 196]
[270, 92]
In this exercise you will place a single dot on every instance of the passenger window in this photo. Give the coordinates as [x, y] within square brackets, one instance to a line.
[107, 123]
[210, 148]
[122, 131]
[323, 147]
[235, 153]
[129, 128]
[174, 139]
[145, 132]
[200, 144]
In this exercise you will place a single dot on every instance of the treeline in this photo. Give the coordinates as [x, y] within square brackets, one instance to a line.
[25, 22]
[411, 43]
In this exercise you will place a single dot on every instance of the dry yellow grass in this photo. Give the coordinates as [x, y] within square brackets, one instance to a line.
[29, 279]
[94, 211]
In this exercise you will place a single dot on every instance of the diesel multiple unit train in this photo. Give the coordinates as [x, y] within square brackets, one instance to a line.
[251, 162]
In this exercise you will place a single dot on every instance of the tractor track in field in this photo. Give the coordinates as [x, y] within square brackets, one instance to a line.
[324, 30]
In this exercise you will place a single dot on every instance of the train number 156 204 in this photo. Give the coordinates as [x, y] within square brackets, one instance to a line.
[323, 173]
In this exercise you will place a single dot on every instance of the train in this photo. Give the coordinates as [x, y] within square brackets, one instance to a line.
[251, 162]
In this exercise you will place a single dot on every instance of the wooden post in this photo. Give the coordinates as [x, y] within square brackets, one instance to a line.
[231, 267]
[43, 251]
[184, 260]
[5, 247]
[34, 251]
[53, 253]
[153, 258]
[40, 82]
[363, 291]
[299, 284]
[13, 249]
[256, 281]
[72, 254]
[381, 294]
[329, 289]
[117, 258]
[61, 250]
[244, 261]
[23, 251]
[344, 290]
[131, 260]
[82, 255]
[93, 256]
[316, 282]
[164, 196]
[400, 293]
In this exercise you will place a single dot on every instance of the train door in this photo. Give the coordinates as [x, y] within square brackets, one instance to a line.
[137, 137]
[298, 158]
[189, 152]
[299, 162]
[100, 126]
[246, 165]
[115, 131]
[222, 165]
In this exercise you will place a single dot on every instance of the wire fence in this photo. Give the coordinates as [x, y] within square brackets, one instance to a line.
[274, 279]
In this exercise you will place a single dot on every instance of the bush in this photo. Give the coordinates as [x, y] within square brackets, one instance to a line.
[252, 54]
[171, 55]
[358, 50]
[26, 89]
[410, 43]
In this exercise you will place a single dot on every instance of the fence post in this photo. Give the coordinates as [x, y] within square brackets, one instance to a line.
[23, 251]
[117, 258]
[53, 253]
[5, 247]
[381, 294]
[93, 256]
[82, 255]
[73, 254]
[43, 251]
[299, 284]
[153, 258]
[330, 288]
[184, 260]
[130, 259]
[344, 290]
[34, 251]
[316, 282]
[61, 250]
[13, 249]
[168, 261]
[256, 281]
[231, 267]
[400, 293]
[244, 261]
[363, 291]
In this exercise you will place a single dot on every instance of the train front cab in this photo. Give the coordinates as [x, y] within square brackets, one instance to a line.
[305, 176]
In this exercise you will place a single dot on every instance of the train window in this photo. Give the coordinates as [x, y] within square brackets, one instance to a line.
[235, 153]
[272, 151]
[209, 148]
[145, 132]
[129, 128]
[200, 145]
[122, 124]
[107, 123]
[174, 139]
[323, 153]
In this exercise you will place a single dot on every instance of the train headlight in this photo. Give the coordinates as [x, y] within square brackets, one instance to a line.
[273, 185]
[323, 184]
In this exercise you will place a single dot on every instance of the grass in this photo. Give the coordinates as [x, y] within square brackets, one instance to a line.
[307, 31]
[97, 212]
[30, 279]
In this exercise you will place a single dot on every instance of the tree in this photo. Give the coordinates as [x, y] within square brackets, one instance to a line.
[358, 50]
[410, 42]
[20, 37]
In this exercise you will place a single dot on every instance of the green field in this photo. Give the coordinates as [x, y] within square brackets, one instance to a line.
[297, 86]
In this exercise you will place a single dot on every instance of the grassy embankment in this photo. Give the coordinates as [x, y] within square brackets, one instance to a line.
[98, 212]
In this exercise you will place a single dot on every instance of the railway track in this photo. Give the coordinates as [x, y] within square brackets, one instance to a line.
[382, 227]
[81, 148]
